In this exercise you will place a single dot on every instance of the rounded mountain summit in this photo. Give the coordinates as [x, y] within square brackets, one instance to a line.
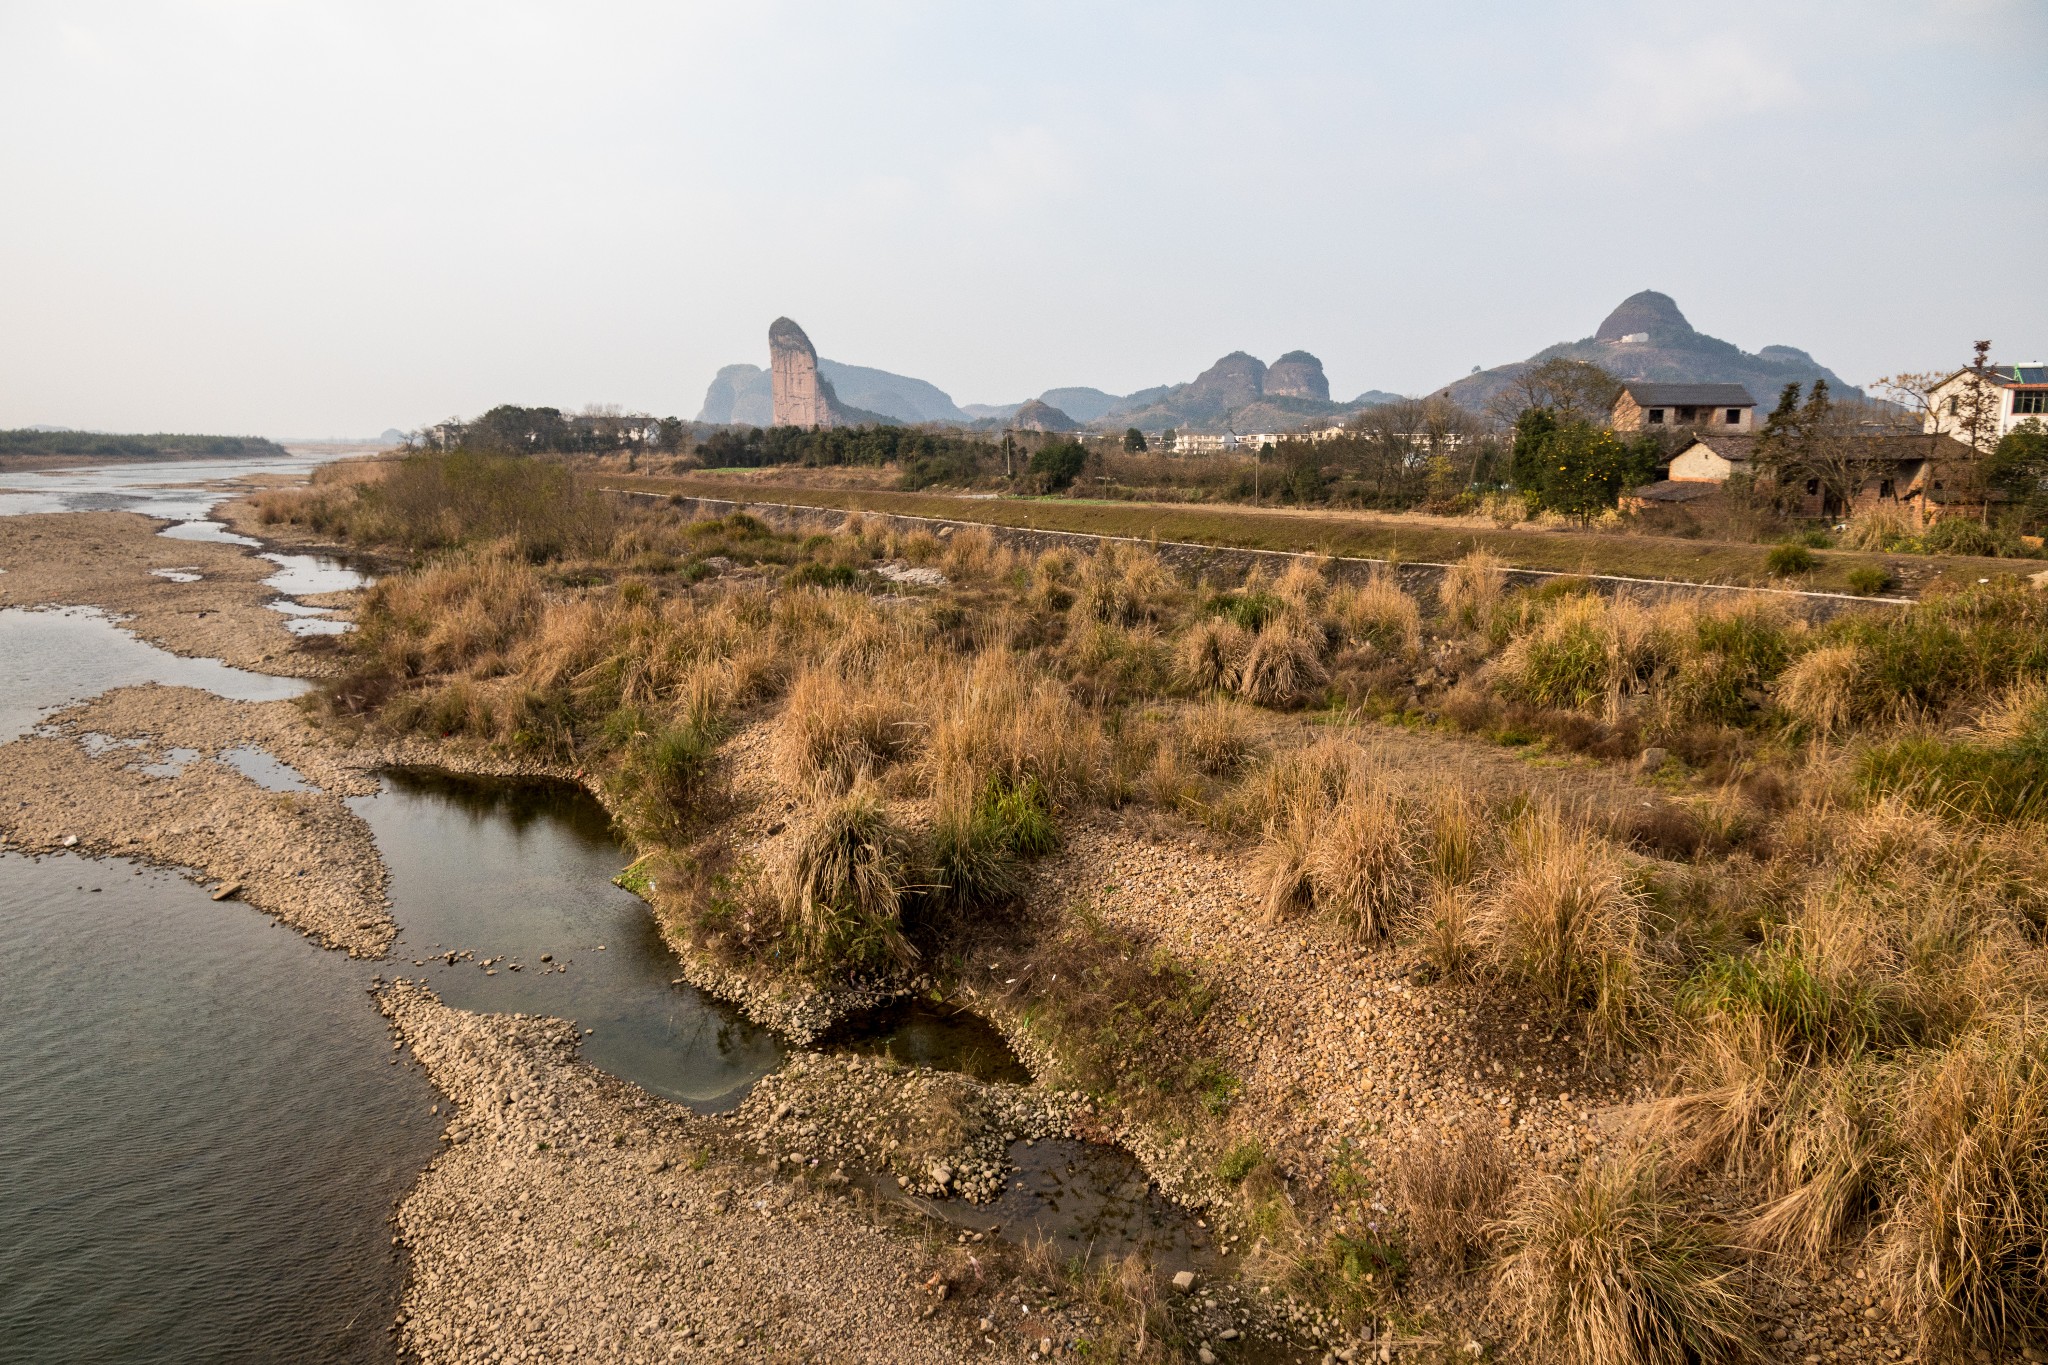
[1647, 337]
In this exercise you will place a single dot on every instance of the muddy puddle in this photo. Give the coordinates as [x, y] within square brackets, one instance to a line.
[941, 1036]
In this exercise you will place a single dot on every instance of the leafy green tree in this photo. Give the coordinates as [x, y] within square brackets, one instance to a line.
[2018, 468]
[1134, 440]
[1579, 469]
[1057, 465]
[1533, 429]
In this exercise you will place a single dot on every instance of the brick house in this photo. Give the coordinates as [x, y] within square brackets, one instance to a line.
[1925, 476]
[1645, 406]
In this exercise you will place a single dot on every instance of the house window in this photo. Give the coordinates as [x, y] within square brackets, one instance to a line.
[1656, 417]
[1687, 414]
[1887, 489]
[2034, 401]
[1812, 487]
[1734, 417]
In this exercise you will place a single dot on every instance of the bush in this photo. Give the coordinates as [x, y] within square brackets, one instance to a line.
[1789, 560]
[1057, 465]
[1961, 536]
[1605, 1270]
[1471, 589]
[812, 574]
[1871, 580]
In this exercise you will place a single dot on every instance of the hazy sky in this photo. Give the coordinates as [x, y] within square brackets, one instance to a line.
[304, 219]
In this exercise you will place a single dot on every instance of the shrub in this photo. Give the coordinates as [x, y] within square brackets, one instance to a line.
[1448, 1186]
[1871, 580]
[1961, 536]
[841, 886]
[812, 574]
[1735, 651]
[1249, 610]
[1789, 560]
[1563, 915]
[1605, 1270]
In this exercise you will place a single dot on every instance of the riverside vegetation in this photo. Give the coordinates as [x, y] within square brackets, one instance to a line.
[1802, 963]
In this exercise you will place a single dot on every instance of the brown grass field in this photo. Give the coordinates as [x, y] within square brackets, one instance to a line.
[1775, 889]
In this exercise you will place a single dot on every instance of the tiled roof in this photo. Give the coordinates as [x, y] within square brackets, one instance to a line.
[1689, 395]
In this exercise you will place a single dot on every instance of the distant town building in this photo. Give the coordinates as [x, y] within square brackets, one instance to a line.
[1657, 407]
[2019, 394]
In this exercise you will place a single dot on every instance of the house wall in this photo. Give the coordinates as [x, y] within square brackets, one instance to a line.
[1699, 464]
[1630, 415]
[1956, 389]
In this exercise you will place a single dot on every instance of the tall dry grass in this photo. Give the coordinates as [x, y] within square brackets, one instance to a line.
[1563, 913]
[1604, 1268]
[1380, 613]
[1471, 590]
[840, 887]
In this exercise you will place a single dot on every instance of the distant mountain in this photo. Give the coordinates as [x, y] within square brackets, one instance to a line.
[1081, 404]
[744, 394]
[1646, 337]
[1243, 394]
[1038, 415]
[1239, 392]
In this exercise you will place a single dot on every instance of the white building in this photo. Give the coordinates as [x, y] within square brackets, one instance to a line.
[2017, 393]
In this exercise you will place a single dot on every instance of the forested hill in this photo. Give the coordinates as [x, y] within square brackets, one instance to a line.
[96, 445]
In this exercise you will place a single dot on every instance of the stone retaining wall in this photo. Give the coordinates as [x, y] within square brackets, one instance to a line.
[1223, 565]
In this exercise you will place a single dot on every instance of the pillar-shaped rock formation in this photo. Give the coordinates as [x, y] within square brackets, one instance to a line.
[801, 399]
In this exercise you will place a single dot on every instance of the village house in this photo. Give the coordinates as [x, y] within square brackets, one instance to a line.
[2019, 393]
[1924, 476]
[1645, 406]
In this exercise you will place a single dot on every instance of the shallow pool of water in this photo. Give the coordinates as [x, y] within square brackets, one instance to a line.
[175, 490]
[200, 1129]
[52, 659]
[508, 872]
[944, 1037]
[298, 575]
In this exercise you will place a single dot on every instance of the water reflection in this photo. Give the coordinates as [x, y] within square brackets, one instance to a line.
[53, 659]
[490, 877]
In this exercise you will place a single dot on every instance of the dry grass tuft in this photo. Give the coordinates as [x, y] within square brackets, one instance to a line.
[1563, 914]
[1472, 588]
[833, 733]
[841, 887]
[1284, 662]
[1382, 614]
[1209, 654]
[997, 720]
[1303, 584]
[1360, 869]
[1967, 1243]
[1603, 1269]
[1449, 1186]
[1216, 736]
[1820, 687]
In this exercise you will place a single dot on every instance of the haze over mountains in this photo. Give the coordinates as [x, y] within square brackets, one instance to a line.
[1645, 337]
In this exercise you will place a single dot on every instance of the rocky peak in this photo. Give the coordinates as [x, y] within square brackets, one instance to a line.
[1649, 311]
[1231, 382]
[1038, 415]
[1297, 375]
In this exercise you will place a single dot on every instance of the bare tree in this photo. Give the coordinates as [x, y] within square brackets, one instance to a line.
[1572, 389]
